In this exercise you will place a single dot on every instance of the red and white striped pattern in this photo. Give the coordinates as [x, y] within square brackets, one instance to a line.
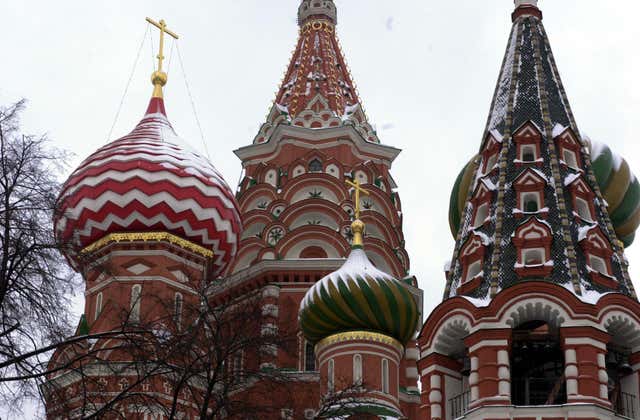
[145, 182]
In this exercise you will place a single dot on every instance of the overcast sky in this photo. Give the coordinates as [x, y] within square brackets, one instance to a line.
[425, 69]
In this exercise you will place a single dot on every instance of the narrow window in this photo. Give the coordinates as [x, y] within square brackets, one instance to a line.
[136, 292]
[357, 369]
[98, 306]
[569, 157]
[481, 215]
[528, 153]
[530, 202]
[177, 311]
[491, 162]
[533, 256]
[385, 376]
[473, 270]
[598, 264]
[309, 358]
[237, 363]
[583, 209]
[330, 375]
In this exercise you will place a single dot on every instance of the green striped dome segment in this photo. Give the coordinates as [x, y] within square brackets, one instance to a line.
[619, 187]
[458, 197]
[358, 296]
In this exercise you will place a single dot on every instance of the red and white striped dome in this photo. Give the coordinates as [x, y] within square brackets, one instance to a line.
[145, 182]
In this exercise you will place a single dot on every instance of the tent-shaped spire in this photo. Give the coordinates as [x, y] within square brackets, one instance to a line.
[317, 90]
[540, 215]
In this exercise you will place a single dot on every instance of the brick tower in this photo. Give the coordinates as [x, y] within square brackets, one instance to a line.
[148, 224]
[297, 212]
[540, 319]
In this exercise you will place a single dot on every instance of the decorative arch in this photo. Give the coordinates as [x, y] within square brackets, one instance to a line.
[296, 241]
[535, 309]
[313, 251]
[448, 338]
[622, 325]
[252, 196]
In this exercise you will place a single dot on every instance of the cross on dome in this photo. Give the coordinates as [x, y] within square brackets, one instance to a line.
[317, 9]
[357, 227]
[159, 78]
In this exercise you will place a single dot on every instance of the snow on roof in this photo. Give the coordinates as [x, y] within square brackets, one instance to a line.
[570, 179]
[483, 237]
[496, 135]
[583, 231]
[557, 130]
[356, 265]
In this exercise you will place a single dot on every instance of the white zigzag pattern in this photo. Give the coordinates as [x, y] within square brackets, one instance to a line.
[182, 161]
[177, 206]
[152, 177]
[160, 218]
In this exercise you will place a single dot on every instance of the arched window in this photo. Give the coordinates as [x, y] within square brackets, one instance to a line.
[583, 209]
[177, 311]
[474, 269]
[537, 365]
[313, 252]
[309, 358]
[534, 256]
[136, 297]
[530, 202]
[528, 153]
[481, 214]
[315, 165]
[385, 376]
[98, 306]
[357, 369]
[491, 162]
[569, 157]
[237, 363]
[330, 373]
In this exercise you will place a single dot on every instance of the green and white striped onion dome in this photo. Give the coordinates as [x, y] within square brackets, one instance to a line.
[619, 187]
[359, 297]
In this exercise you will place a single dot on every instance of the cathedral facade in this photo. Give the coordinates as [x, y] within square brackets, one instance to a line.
[293, 297]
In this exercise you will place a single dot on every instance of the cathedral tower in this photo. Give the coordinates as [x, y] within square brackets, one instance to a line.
[539, 318]
[297, 213]
[360, 319]
[148, 224]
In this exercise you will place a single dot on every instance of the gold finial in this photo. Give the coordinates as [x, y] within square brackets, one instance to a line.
[357, 227]
[159, 78]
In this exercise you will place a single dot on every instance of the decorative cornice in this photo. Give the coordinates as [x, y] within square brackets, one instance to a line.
[359, 335]
[148, 237]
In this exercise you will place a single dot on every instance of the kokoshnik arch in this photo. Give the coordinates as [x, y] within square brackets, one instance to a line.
[539, 319]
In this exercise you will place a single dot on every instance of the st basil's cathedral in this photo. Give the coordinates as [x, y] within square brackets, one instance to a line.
[539, 318]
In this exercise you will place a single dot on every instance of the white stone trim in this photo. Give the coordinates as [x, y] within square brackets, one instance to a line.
[139, 279]
[585, 341]
[488, 343]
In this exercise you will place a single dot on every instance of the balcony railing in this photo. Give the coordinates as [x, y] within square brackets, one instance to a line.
[625, 405]
[460, 404]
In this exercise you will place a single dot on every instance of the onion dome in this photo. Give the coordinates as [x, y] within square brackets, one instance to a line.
[147, 183]
[619, 186]
[358, 296]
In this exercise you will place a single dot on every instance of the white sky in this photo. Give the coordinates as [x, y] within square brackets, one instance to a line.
[426, 71]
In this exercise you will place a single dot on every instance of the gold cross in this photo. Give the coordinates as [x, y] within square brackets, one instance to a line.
[358, 189]
[163, 29]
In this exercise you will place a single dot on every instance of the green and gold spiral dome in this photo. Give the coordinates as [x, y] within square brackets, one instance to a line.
[619, 187]
[358, 297]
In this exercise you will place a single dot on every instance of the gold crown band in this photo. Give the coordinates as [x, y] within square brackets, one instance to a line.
[149, 236]
[359, 335]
